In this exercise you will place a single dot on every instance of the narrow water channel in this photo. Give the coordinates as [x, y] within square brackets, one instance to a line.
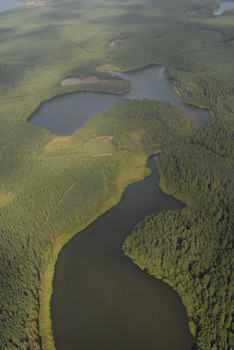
[102, 300]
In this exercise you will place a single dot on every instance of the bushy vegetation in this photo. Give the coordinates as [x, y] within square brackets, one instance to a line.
[52, 185]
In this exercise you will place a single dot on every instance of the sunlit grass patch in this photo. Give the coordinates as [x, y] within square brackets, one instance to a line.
[5, 197]
[99, 146]
[58, 143]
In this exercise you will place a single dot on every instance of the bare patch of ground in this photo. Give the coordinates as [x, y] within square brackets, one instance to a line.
[60, 200]
[102, 154]
[5, 197]
[31, 89]
[106, 138]
[74, 81]
[36, 2]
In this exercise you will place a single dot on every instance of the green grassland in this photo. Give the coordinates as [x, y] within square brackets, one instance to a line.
[51, 187]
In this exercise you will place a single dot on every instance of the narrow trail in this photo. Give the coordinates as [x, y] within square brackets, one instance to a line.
[102, 154]
[30, 239]
[105, 137]
[31, 89]
[60, 201]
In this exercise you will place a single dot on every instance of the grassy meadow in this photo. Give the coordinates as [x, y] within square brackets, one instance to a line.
[52, 187]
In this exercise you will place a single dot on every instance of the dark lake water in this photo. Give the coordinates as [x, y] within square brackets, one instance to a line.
[65, 114]
[9, 4]
[102, 300]
[224, 5]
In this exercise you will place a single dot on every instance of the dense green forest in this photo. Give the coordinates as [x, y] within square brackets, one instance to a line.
[51, 187]
[82, 183]
[192, 249]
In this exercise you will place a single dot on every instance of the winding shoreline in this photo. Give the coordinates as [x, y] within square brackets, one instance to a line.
[45, 322]
[140, 171]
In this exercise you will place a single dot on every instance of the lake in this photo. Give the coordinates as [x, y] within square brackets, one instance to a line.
[224, 6]
[9, 4]
[65, 114]
[101, 300]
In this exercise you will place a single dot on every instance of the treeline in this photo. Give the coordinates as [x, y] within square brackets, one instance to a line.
[164, 124]
[219, 136]
[192, 249]
[201, 88]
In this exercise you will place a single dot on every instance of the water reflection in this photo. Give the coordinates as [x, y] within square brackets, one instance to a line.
[9, 4]
[224, 5]
[65, 114]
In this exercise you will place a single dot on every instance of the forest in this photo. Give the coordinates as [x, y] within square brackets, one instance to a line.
[192, 249]
[52, 187]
